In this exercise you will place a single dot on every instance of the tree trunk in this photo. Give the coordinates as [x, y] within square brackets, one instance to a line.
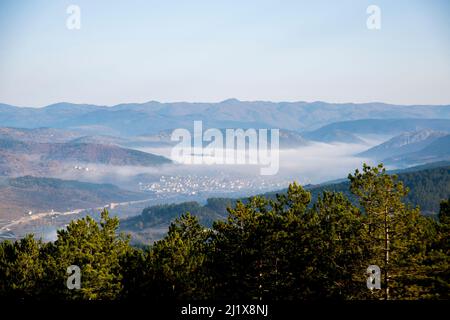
[386, 255]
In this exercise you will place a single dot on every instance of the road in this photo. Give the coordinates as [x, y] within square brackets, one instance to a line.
[37, 216]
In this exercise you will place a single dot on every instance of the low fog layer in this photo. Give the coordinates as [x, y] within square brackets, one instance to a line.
[315, 163]
[169, 183]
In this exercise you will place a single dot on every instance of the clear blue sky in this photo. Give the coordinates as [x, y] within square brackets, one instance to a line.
[136, 51]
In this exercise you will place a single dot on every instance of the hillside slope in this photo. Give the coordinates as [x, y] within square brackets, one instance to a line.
[45, 159]
[20, 195]
[404, 143]
[438, 150]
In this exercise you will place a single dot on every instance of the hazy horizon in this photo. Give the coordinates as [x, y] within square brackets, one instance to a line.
[221, 101]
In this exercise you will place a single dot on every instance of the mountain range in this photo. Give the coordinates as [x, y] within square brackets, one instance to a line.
[152, 117]
[55, 140]
[347, 131]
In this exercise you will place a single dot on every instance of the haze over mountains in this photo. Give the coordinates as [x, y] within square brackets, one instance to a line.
[153, 117]
[19, 157]
[373, 127]
[95, 155]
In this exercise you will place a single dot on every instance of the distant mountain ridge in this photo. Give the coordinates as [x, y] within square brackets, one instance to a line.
[404, 143]
[153, 117]
[103, 154]
[41, 158]
[388, 127]
[438, 150]
[84, 152]
[38, 134]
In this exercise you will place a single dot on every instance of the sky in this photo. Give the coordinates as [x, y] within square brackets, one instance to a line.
[209, 51]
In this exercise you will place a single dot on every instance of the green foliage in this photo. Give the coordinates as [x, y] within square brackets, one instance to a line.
[283, 247]
[164, 214]
[21, 268]
[438, 262]
[340, 246]
[427, 188]
[444, 212]
[178, 261]
[280, 249]
[96, 249]
[396, 233]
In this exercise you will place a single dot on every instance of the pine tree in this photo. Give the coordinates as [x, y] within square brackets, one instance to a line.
[340, 247]
[438, 256]
[177, 263]
[21, 269]
[97, 250]
[394, 230]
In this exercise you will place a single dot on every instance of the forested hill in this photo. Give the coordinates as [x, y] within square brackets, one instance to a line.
[428, 187]
[153, 222]
[38, 194]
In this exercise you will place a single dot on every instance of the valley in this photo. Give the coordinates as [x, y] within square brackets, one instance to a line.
[55, 166]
